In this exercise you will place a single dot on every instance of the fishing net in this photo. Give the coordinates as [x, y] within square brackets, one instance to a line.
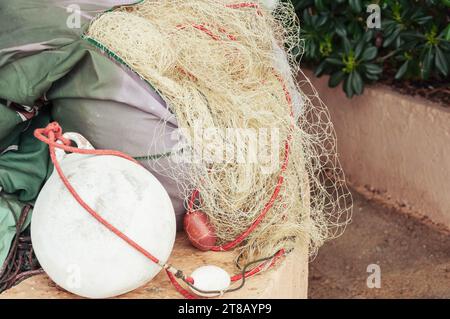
[250, 140]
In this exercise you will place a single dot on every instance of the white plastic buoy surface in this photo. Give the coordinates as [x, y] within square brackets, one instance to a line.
[80, 254]
[209, 279]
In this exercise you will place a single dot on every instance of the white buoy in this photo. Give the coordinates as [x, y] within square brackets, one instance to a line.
[210, 279]
[81, 255]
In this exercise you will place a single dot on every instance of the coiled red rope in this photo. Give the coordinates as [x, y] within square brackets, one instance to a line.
[274, 197]
[52, 135]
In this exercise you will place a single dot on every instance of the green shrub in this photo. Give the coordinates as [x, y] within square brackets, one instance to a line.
[414, 40]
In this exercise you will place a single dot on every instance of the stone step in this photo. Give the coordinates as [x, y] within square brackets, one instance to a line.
[289, 280]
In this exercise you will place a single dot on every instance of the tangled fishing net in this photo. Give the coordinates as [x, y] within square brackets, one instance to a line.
[251, 138]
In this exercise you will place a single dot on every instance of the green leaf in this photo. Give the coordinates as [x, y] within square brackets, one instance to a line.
[322, 20]
[336, 78]
[340, 29]
[359, 48]
[335, 61]
[441, 62]
[371, 77]
[368, 35]
[446, 33]
[357, 83]
[423, 20]
[320, 5]
[445, 45]
[306, 17]
[369, 54]
[392, 37]
[348, 86]
[373, 69]
[347, 45]
[402, 70]
[388, 26]
[320, 69]
[356, 5]
[313, 48]
[427, 62]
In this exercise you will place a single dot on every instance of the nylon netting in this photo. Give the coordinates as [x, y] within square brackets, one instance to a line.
[228, 72]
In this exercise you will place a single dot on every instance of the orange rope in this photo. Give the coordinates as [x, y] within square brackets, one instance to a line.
[186, 294]
[52, 135]
[275, 195]
[276, 192]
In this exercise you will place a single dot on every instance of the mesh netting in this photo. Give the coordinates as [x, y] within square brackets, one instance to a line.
[228, 71]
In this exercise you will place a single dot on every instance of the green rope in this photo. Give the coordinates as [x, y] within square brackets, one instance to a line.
[158, 156]
[153, 157]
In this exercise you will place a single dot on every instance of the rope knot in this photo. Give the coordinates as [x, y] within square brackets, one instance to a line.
[54, 128]
[51, 134]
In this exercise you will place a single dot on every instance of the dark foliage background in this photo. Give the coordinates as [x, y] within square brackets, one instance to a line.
[413, 42]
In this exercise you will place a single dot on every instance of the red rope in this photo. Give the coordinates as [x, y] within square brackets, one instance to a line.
[51, 135]
[277, 190]
[265, 265]
[243, 5]
[246, 5]
[186, 294]
[204, 29]
[275, 194]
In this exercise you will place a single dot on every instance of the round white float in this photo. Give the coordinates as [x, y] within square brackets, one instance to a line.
[209, 279]
[81, 255]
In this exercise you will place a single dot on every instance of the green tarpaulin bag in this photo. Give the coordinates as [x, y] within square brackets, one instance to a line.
[47, 65]
[23, 170]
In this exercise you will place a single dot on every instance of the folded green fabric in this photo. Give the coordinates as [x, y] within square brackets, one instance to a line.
[22, 174]
[37, 48]
[8, 123]
[45, 59]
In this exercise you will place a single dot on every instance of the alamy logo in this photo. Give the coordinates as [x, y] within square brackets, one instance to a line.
[231, 145]
[74, 18]
[374, 279]
[73, 277]
[374, 19]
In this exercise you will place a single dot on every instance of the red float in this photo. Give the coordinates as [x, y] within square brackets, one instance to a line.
[199, 231]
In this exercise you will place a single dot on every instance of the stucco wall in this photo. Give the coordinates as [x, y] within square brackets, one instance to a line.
[394, 145]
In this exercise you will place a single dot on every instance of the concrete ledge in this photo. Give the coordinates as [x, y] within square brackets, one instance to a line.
[395, 146]
[289, 280]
